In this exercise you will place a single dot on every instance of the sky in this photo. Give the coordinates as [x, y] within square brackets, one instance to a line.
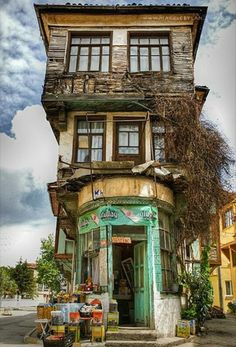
[28, 149]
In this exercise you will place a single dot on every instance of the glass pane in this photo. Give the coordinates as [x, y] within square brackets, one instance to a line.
[155, 51]
[85, 40]
[83, 127]
[96, 127]
[74, 50]
[159, 141]
[83, 63]
[165, 50]
[154, 40]
[141, 277]
[128, 127]
[105, 39]
[160, 155]
[96, 154]
[75, 40]
[105, 49]
[95, 50]
[166, 63]
[162, 237]
[95, 39]
[96, 141]
[144, 41]
[136, 277]
[133, 139]
[133, 50]
[84, 51]
[158, 127]
[144, 63]
[83, 155]
[134, 40]
[128, 150]
[141, 255]
[83, 141]
[143, 51]
[123, 139]
[133, 64]
[164, 41]
[156, 64]
[94, 63]
[72, 66]
[105, 63]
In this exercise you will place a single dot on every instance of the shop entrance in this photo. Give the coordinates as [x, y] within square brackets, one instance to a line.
[130, 287]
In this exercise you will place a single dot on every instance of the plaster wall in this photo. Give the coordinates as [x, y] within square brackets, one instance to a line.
[126, 187]
[166, 314]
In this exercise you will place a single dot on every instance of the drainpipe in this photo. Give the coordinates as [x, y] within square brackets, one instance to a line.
[220, 287]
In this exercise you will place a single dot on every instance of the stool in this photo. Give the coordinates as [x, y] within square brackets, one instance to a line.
[44, 324]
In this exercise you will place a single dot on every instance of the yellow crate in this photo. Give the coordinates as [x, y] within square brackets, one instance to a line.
[98, 332]
[76, 331]
[58, 328]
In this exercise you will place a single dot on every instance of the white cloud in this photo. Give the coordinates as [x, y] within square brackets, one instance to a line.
[216, 67]
[34, 147]
[23, 241]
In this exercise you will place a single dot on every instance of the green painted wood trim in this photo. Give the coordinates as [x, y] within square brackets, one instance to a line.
[110, 261]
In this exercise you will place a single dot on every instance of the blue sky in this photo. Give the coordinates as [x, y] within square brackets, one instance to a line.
[28, 153]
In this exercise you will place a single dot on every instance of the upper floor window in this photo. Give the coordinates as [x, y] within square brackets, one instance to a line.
[149, 53]
[129, 143]
[90, 140]
[158, 138]
[228, 218]
[89, 53]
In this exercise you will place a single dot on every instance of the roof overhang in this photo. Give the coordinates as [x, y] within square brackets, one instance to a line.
[117, 16]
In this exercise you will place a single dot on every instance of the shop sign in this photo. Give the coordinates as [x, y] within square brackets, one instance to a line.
[118, 239]
[117, 215]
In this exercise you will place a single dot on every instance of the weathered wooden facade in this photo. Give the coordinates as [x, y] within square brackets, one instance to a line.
[117, 186]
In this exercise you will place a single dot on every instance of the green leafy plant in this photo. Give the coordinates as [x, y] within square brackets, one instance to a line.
[199, 291]
[8, 286]
[232, 307]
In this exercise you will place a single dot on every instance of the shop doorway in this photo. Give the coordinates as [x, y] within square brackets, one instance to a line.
[130, 287]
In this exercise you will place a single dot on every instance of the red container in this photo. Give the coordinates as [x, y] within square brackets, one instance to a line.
[74, 316]
[97, 316]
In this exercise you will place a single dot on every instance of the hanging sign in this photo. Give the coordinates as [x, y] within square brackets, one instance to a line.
[119, 239]
[117, 215]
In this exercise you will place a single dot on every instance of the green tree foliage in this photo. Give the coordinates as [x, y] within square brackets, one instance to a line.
[199, 289]
[48, 270]
[7, 285]
[24, 278]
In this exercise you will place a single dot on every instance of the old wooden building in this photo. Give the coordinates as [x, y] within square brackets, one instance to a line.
[118, 182]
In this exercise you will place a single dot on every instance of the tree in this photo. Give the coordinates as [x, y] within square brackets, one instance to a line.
[24, 278]
[7, 285]
[48, 270]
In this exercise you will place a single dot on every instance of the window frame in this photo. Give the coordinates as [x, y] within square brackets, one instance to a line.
[137, 158]
[147, 34]
[230, 288]
[91, 119]
[74, 34]
[166, 252]
[229, 219]
[157, 120]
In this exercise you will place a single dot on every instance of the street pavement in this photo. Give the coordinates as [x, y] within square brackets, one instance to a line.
[14, 328]
[220, 332]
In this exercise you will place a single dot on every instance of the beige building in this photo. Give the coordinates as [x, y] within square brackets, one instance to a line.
[118, 183]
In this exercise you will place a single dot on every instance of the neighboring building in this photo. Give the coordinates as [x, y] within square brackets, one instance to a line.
[42, 291]
[223, 278]
[115, 218]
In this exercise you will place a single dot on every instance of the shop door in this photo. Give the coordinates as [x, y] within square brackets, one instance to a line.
[140, 295]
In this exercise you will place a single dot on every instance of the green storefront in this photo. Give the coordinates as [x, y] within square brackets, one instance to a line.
[119, 248]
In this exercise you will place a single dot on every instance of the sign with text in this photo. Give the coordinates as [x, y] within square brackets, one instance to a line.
[117, 215]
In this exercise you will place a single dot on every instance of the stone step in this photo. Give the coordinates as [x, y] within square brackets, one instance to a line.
[132, 334]
[160, 342]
